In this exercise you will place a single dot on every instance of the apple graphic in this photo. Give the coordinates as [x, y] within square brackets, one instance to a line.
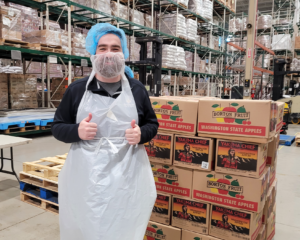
[162, 171]
[229, 109]
[154, 169]
[151, 229]
[213, 190]
[168, 107]
[219, 109]
[225, 181]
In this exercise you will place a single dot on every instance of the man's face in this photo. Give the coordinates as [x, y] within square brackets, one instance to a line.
[109, 43]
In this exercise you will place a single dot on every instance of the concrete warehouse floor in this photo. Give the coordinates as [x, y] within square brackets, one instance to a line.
[21, 221]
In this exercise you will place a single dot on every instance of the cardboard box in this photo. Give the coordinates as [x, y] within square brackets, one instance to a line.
[262, 233]
[241, 158]
[173, 180]
[160, 148]
[297, 42]
[280, 115]
[194, 152]
[270, 202]
[244, 118]
[161, 211]
[273, 149]
[230, 224]
[176, 114]
[231, 191]
[272, 174]
[16, 83]
[270, 232]
[190, 215]
[160, 231]
[188, 235]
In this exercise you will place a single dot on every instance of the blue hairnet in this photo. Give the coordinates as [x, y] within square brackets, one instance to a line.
[98, 31]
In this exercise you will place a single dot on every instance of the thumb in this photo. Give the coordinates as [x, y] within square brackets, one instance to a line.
[89, 118]
[133, 123]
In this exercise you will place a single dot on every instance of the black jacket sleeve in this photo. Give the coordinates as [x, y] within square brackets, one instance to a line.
[149, 124]
[64, 127]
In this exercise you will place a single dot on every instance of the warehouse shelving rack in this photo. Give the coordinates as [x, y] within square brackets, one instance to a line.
[65, 13]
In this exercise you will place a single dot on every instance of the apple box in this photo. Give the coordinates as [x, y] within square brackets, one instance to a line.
[270, 233]
[244, 118]
[262, 233]
[272, 150]
[160, 148]
[159, 231]
[172, 180]
[194, 152]
[230, 224]
[241, 158]
[272, 174]
[188, 235]
[230, 190]
[176, 114]
[270, 202]
[190, 215]
[161, 211]
[280, 113]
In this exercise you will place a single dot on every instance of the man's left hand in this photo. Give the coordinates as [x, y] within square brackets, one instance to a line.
[133, 134]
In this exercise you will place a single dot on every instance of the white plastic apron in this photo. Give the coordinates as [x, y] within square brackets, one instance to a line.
[106, 187]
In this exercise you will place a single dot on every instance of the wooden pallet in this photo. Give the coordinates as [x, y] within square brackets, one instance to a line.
[40, 203]
[38, 181]
[13, 43]
[14, 129]
[182, 5]
[298, 143]
[47, 168]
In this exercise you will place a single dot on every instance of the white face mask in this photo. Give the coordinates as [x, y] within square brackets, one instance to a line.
[108, 65]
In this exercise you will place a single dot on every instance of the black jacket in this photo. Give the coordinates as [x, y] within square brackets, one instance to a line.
[65, 128]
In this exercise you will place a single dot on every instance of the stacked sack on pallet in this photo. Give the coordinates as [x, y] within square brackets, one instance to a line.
[173, 57]
[264, 22]
[174, 25]
[220, 184]
[123, 11]
[207, 10]
[100, 5]
[191, 29]
[195, 6]
[282, 42]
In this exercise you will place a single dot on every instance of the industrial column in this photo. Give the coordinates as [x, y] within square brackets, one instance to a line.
[251, 32]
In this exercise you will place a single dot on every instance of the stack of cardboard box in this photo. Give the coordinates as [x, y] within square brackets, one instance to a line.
[10, 23]
[58, 88]
[221, 183]
[3, 91]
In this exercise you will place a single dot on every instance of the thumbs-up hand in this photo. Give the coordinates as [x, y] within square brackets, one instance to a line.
[87, 130]
[133, 134]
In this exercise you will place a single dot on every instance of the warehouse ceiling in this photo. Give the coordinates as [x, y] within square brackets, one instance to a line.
[263, 5]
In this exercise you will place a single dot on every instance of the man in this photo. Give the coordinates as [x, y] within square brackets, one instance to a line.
[231, 161]
[184, 214]
[186, 155]
[106, 187]
[224, 223]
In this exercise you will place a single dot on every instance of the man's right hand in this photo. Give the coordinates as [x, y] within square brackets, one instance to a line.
[87, 130]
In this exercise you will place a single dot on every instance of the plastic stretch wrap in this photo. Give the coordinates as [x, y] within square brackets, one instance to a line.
[195, 6]
[282, 42]
[198, 39]
[202, 66]
[235, 25]
[137, 17]
[235, 41]
[134, 53]
[3, 91]
[64, 40]
[213, 42]
[204, 40]
[55, 3]
[166, 78]
[78, 45]
[244, 23]
[10, 23]
[266, 61]
[148, 21]
[29, 16]
[168, 25]
[27, 115]
[47, 37]
[295, 65]
[265, 40]
[123, 10]
[173, 57]
[100, 5]
[189, 60]
[191, 29]
[207, 10]
[264, 22]
[183, 2]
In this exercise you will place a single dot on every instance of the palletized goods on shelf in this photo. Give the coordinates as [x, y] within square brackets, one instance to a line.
[173, 57]
[174, 25]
